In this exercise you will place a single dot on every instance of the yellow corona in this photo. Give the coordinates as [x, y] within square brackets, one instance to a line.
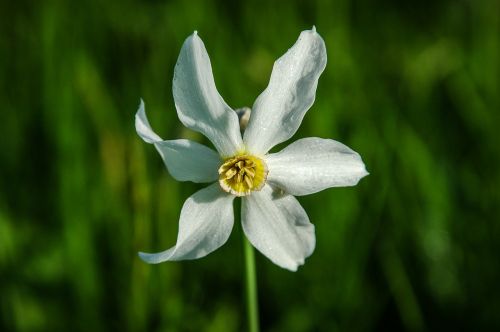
[240, 175]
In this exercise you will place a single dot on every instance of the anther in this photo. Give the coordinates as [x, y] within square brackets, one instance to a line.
[240, 175]
[248, 181]
[230, 173]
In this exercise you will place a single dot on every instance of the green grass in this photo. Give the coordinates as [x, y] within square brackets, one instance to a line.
[412, 86]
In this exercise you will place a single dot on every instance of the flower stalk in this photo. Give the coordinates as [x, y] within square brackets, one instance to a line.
[251, 287]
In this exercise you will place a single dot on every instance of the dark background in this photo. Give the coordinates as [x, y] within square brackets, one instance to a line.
[413, 86]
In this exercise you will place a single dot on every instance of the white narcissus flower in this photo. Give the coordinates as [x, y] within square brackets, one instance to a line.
[272, 218]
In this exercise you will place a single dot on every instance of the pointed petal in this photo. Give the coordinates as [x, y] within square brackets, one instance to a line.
[312, 164]
[143, 127]
[199, 105]
[205, 224]
[278, 227]
[185, 160]
[189, 161]
[279, 110]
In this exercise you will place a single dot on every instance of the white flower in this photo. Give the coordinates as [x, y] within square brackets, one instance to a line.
[272, 219]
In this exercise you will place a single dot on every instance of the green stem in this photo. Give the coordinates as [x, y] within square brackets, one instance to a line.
[251, 287]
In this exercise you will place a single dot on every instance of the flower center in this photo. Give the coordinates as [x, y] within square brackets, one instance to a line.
[240, 175]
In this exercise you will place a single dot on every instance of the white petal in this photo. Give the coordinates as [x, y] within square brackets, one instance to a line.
[278, 227]
[199, 105]
[312, 164]
[143, 127]
[279, 110]
[205, 224]
[189, 161]
[185, 160]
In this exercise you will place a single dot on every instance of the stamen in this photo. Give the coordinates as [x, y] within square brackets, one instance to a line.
[224, 168]
[250, 172]
[242, 174]
[230, 173]
[248, 181]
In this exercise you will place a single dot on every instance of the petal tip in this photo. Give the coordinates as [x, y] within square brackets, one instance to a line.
[143, 256]
[294, 267]
[192, 38]
[362, 174]
[313, 29]
[142, 126]
[141, 108]
[148, 258]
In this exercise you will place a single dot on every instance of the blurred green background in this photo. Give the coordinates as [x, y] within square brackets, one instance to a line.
[413, 86]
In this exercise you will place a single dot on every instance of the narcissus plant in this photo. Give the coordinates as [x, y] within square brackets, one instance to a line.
[273, 220]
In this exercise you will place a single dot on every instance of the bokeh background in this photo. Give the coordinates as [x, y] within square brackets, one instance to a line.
[413, 86]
